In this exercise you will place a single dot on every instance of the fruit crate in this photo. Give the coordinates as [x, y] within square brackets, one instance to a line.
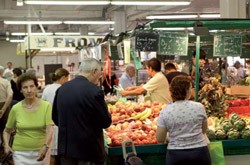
[156, 153]
[236, 147]
[241, 110]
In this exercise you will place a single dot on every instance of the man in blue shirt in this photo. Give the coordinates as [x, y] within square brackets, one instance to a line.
[128, 78]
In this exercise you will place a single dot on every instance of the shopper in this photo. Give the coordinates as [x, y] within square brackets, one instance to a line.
[186, 122]
[108, 84]
[60, 76]
[6, 95]
[9, 68]
[17, 95]
[157, 88]
[80, 111]
[171, 72]
[31, 119]
[128, 77]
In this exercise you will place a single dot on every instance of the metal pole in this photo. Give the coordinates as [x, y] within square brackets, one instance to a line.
[197, 67]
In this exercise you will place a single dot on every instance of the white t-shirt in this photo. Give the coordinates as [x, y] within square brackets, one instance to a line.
[49, 92]
[183, 120]
[49, 95]
[5, 89]
[158, 88]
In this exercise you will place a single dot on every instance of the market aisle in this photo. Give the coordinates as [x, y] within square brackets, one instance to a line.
[237, 160]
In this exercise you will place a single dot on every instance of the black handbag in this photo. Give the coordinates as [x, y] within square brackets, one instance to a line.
[7, 160]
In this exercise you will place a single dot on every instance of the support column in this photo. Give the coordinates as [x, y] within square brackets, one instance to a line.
[233, 8]
[84, 30]
[120, 22]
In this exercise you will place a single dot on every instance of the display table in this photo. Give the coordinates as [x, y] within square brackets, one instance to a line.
[155, 154]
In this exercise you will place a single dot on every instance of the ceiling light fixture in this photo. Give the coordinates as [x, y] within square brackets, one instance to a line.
[175, 29]
[32, 22]
[19, 2]
[209, 15]
[89, 22]
[180, 16]
[107, 2]
[151, 3]
[16, 40]
[68, 33]
[71, 2]
[31, 34]
[183, 16]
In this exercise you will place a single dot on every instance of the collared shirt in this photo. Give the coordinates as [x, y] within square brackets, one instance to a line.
[126, 81]
[158, 88]
[5, 89]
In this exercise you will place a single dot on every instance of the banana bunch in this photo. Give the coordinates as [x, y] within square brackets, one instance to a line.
[143, 115]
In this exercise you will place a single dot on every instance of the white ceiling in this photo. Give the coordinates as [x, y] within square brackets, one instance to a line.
[135, 14]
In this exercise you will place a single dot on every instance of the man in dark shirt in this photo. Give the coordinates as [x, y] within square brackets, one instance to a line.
[171, 72]
[80, 111]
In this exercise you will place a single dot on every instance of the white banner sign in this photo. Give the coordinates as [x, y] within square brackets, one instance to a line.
[38, 42]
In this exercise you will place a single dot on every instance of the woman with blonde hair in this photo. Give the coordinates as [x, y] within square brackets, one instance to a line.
[60, 76]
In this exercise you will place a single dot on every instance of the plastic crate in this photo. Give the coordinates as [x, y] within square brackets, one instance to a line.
[236, 147]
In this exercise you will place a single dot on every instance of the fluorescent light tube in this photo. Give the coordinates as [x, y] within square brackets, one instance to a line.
[32, 34]
[32, 2]
[209, 15]
[19, 2]
[180, 16]
[89, 22]
[175, 29]
[68, 33]
[16, 40]
[151, 3]
[32, 22]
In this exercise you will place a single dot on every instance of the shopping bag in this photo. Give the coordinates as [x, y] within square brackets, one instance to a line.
[216, 153]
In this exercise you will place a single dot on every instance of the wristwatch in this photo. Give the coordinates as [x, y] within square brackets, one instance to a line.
[47, 146]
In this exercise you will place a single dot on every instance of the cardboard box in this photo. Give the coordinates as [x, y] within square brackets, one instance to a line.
[240, 91]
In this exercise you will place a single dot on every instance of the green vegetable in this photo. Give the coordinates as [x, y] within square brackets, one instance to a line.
[240, 124]
[210, 134]
[226, 125]
[245, 133]
[233, 134]
[220, 134]
[234, 117]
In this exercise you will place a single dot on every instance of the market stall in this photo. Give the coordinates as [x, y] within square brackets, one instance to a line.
[125, 118]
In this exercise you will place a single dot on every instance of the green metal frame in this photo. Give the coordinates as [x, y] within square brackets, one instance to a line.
[218, 24]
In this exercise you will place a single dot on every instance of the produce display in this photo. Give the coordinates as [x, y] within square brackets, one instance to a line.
[234, 127]
[213, 96]
[135, 121]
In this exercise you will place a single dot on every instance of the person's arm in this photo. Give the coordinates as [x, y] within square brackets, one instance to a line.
[135, 91]
[161, 134]
[103, 117]
[204, 126]
[6, 139]
[54, 109]
[49, 132]
[45, 148]
[8, 100]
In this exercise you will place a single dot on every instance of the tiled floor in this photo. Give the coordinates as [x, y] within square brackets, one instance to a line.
[238, 160]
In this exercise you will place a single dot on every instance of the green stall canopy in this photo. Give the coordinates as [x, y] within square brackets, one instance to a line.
[218, 24]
